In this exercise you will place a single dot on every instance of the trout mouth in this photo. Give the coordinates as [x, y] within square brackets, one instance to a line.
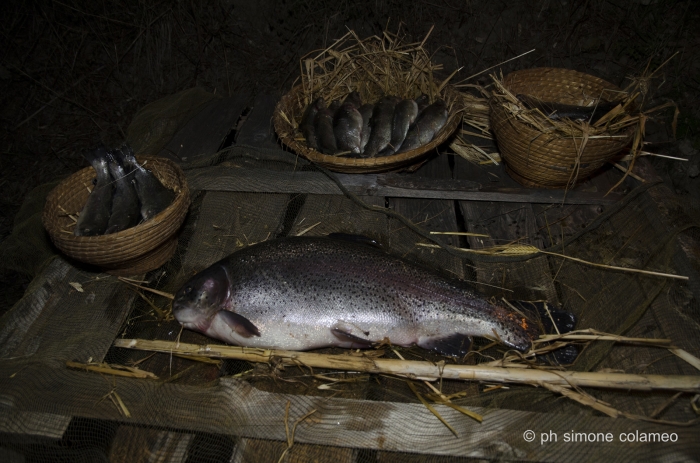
[193, 318]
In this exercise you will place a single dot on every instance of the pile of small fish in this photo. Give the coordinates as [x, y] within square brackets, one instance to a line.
[124, 195]
[389, 126]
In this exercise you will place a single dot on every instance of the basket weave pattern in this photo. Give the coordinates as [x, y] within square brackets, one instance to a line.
[536, 158]
[134, 250]
[292, 105]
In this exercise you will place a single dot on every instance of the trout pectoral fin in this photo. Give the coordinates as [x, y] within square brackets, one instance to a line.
[344, 332]
[238, 323]
[456, 345]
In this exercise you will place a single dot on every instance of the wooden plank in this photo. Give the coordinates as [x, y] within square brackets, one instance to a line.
[231, 220]
[391, 185]
[49, 425]
[432, 214]
[232, 407]
[324, 214]
[203, 134]
[133, 444]
[268, 451]
[503, 223]
[10, 456]
[40, 328]
[257, 130]
[557, 223]
[40, 325]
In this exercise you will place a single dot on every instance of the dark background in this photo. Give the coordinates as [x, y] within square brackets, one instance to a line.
[73, 73]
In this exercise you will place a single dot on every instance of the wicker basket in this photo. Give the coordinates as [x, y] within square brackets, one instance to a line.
[292, 106]
[135, 250]
[548, 159]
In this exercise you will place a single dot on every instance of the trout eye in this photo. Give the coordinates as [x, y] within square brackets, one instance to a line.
[188, 290]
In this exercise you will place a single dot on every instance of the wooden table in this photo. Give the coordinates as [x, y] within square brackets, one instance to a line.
[445, 194]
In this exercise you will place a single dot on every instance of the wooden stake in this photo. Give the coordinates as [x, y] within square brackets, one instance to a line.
[421, 369]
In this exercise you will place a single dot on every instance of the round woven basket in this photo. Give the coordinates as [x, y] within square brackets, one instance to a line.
[291, 107]
[549, 159]
[135, 250]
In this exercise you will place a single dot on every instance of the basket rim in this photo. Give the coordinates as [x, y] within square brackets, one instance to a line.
[537, 157]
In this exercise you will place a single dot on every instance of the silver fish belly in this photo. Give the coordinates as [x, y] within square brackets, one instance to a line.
[347, 128]
[305, 292]
[380, 132]
[404, 115]
[366, 112]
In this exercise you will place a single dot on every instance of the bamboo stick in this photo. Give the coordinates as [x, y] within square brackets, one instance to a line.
[421, 369]
[130, 372]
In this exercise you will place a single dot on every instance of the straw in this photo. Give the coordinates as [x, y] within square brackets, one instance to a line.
[422, 369]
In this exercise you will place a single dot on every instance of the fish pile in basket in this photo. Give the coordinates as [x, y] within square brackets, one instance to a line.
[391, 133]
[125, 193]
[391, 125]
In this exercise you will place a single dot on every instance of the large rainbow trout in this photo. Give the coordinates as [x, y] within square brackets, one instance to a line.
[305, 292]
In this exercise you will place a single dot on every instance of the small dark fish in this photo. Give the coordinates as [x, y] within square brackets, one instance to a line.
[382, 120]
[366, 112]
[405, 114]
[94, 217]
[153, 196]
[347, 127]
[422, 101]
[307, 122]
[557, 111]
[324, 131]
[354, 98]
[427, 125]
[126, 211]
[335, 104]
[304, 293]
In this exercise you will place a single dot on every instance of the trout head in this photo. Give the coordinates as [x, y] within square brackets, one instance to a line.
[201, 298]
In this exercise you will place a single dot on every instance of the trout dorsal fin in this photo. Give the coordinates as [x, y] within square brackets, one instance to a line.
[355, 238]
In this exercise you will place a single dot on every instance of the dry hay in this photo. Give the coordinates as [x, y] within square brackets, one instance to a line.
[546, 152]
[374, 67]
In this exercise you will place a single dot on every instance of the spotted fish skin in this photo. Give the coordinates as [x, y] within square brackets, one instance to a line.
[353, 98]
[382, 120]
[154, 197]
[308, 292]
[427, 125]
[307, 122]
[324, 131]
[405, 114]
[422, 102]
[94, 217]
[366, 113]
[347, 128]
[126, 211]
